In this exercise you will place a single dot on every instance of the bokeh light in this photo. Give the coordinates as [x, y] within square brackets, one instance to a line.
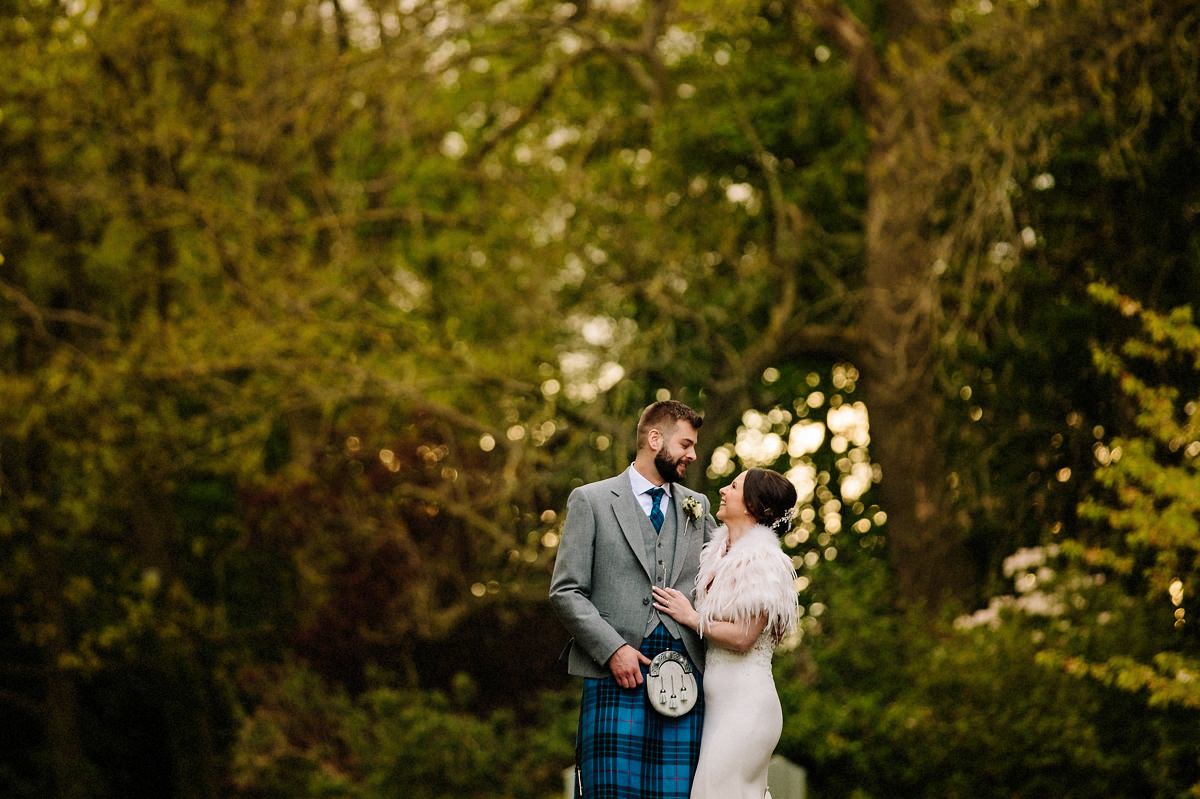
[821, 444]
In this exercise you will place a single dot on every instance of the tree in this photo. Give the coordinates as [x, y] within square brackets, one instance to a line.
[964, 104]
[891, 238]
[1153, 511]
[314, 312]
[224, 410]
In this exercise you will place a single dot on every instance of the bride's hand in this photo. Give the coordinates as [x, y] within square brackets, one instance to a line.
[675, 604]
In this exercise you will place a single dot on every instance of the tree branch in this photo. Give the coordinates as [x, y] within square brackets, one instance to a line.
[544, 93]
[852, 37]
[39, 316]
[460, 510]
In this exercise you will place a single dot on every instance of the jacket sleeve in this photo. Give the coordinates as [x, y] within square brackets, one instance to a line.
[571, 583]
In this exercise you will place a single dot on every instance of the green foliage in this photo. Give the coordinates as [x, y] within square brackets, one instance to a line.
[1152, 503]
[312, 313]
[306, 738]
[246, 368]
[1025, 398]
[1085, 674]
[879, 704]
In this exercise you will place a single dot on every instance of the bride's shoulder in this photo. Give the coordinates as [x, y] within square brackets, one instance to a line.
[760, 541]
[760, 550]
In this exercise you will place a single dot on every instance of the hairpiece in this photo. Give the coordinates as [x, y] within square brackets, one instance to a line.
[784, 520]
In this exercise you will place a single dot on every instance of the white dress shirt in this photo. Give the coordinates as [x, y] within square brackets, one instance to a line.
[640, 488]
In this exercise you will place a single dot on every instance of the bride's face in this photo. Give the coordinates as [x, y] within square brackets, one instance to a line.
[732, 506]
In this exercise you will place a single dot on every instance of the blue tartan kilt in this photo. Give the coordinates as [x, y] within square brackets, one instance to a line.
[625, 749]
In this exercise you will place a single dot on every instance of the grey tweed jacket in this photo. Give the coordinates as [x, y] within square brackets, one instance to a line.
[603, 574]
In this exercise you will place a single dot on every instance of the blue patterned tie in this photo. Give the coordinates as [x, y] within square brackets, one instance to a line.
[656, 514]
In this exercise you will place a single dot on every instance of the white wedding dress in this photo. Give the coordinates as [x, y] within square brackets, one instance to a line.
[742, 723]
[742, 716]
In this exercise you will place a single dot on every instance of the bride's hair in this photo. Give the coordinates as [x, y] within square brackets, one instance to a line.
[770, 497]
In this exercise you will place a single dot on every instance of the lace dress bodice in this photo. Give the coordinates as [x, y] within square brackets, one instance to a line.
[760, 654]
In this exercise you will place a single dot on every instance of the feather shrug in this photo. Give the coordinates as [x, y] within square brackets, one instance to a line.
[755, 576]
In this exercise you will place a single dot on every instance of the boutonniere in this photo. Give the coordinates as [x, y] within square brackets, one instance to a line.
[691, 506]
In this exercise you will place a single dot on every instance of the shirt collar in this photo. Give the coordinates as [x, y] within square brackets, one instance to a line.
[641, 485]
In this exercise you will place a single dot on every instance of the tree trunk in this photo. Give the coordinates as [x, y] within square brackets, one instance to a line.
[897, 323]
[182, 685]
[186, 709]
[927, 547]
[62, 730]
[69, 769]
[927, 550]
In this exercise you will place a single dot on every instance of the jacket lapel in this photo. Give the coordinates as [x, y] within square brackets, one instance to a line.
[626, 509]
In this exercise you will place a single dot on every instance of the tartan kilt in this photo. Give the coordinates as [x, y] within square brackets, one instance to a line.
[625, 750]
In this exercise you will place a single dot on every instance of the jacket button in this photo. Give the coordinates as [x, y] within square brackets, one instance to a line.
[646, 600]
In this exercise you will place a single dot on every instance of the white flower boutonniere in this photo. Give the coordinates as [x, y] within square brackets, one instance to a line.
[691, 506]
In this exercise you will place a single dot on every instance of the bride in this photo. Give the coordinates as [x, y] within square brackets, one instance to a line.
[745, 603]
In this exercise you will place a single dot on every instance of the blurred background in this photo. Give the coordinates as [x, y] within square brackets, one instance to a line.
[312, 313]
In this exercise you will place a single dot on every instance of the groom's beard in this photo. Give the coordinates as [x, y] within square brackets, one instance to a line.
[668, 469]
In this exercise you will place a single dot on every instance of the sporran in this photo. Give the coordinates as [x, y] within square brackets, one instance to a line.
[671, 685]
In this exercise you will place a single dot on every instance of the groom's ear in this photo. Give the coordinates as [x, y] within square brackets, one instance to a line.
[654, 439]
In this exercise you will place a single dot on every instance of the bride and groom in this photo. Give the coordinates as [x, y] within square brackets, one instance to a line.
[635, 549]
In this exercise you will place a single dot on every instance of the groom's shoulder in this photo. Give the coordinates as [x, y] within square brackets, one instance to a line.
[607, 486]
[687, 492]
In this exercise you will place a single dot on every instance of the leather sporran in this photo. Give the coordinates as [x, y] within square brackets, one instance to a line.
[671, 685]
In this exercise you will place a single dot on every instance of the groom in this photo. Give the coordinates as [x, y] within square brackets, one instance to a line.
[622, 536]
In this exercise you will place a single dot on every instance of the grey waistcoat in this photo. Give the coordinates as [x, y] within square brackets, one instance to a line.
[660, 548]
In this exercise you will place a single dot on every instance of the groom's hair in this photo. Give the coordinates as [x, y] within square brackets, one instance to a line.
[664, 416]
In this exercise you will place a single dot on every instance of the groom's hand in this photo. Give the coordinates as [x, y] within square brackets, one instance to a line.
[625, 665]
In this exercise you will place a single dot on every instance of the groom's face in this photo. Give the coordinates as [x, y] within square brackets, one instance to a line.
[677, 451]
